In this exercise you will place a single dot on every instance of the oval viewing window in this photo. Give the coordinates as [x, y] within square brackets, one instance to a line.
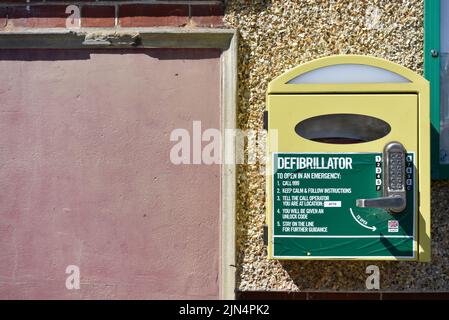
[342, 128]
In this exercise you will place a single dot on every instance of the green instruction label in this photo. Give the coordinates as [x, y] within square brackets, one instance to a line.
[315, 213]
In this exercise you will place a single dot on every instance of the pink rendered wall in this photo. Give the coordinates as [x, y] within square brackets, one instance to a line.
[86, 178]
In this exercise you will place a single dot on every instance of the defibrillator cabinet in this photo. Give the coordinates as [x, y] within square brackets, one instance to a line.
[348, 162]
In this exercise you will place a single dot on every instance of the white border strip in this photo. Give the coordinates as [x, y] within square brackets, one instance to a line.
[384, 258]
[349, 237]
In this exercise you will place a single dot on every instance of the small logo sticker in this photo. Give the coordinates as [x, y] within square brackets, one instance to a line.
[393, 226]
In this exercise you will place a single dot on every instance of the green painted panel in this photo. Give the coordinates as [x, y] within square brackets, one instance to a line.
[432, 73]
[315, 212]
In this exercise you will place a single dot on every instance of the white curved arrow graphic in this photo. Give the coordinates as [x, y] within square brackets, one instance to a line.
[373, 228]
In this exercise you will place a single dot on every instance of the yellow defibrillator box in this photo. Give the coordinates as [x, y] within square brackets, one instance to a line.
[348, 162]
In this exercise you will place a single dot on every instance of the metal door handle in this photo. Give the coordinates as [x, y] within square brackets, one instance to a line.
[394, 194]
[393, 202]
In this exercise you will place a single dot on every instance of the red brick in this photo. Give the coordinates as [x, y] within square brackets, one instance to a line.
[98, 16]
[207, 15]
[3, 19]
[270, 295]
[152, 15]
[343, 296]
[42, 1]
[38, 16]
[415, 296]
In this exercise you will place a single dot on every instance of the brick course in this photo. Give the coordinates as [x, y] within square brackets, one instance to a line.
[20, 14]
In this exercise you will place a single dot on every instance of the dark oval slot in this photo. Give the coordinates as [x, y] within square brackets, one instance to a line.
[342, 128]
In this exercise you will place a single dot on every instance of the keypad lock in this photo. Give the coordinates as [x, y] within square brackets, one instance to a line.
[394, 190]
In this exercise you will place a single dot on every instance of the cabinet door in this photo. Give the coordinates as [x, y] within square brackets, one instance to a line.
[330, 155]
